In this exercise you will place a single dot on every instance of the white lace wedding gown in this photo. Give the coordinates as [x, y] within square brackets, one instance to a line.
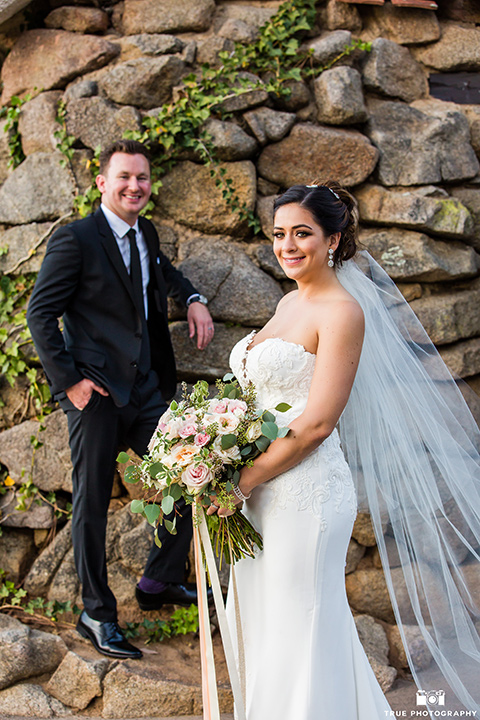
[303, 657]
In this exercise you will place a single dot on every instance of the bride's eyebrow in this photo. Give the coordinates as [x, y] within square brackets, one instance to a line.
[295, 227]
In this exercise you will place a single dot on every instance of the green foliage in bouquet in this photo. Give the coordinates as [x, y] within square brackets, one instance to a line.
[197, 453]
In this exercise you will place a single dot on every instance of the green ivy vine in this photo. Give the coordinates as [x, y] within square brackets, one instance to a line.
[270, 64]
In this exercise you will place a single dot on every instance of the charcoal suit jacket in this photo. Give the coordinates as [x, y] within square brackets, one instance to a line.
[84, 280]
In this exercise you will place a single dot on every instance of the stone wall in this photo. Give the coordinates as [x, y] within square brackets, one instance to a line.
[369, 122]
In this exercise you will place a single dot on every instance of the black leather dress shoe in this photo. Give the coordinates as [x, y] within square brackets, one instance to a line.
[107, 638]
[173, 594]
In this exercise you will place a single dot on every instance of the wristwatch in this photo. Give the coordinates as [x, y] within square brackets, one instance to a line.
[197, 298]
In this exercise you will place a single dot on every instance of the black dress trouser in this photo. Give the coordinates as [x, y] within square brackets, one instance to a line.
[96, 432]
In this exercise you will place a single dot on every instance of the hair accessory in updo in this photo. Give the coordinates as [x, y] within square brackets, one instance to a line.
[332, 191]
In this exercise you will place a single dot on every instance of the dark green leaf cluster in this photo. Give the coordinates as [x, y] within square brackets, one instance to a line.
[182, 621]
[12, 113]
[13, 598]
[65, 141]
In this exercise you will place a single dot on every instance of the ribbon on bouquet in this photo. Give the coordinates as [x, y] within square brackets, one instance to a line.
[201, 539]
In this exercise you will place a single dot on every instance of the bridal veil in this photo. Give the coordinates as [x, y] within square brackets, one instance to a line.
[413, 448]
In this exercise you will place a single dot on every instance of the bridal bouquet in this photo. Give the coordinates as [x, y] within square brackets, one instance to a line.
[197, 452]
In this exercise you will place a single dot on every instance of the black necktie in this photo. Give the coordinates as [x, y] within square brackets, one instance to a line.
[136, 272]
[144, 360]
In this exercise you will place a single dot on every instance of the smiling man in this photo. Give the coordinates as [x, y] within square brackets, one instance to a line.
[113, 370]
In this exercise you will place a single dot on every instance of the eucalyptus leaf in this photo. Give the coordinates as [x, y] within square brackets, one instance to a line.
[283, 407]
[228, 441]
[170, 526]
[270, 430]
[152, 513]
[123, 457]
[246, 450]
[167, 504]
[283, 432]
[137, 506]
[155, 468]
[262, 443]
[268, 416]
[175, 491]
[228, 389]
[156, 539]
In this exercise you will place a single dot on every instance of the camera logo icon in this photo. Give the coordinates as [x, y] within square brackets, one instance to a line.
[430, 697]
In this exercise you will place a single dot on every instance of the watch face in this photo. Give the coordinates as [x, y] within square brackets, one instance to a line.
[198, 298]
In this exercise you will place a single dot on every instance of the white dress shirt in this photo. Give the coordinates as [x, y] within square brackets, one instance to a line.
[120, 228]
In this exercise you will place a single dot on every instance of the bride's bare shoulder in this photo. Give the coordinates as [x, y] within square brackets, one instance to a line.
[342, 312]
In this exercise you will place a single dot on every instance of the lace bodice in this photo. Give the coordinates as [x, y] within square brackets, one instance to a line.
[282, 371]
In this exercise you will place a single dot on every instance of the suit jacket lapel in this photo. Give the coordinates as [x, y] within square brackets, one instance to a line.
[108, 241]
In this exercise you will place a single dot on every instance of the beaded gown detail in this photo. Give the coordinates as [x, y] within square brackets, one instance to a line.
[303, 656]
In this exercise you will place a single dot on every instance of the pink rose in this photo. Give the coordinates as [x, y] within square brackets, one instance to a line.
[196, 477]
[201, 439]
[237, 407]
[188, 429]
[218, 406]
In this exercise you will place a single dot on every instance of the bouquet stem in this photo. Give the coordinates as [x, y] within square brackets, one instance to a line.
[233, 537]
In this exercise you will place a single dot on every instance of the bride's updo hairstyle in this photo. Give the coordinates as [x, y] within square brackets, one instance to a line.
[333, 208]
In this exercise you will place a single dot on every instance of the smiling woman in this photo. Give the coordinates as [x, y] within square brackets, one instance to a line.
[347, 353]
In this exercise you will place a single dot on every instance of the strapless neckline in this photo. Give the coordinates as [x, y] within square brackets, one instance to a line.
[249, 339]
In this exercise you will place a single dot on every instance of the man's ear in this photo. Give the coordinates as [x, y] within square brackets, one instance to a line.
[100, 181]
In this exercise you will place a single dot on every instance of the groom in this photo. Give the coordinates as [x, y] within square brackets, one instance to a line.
[112, 370]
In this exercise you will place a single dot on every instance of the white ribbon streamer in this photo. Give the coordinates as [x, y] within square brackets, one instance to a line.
[200, 527]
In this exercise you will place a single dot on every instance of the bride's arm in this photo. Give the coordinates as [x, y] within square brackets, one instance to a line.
[340, 338]
[338, 354]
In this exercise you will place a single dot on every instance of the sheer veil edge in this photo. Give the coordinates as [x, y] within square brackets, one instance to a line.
[413, 447]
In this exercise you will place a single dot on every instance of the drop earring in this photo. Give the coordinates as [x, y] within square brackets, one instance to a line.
[330, 257]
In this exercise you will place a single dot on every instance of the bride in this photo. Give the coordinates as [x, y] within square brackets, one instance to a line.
[365, 385]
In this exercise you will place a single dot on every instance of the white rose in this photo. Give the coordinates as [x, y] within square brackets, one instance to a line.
[227, 423]
[254, 431]
[229, 455]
